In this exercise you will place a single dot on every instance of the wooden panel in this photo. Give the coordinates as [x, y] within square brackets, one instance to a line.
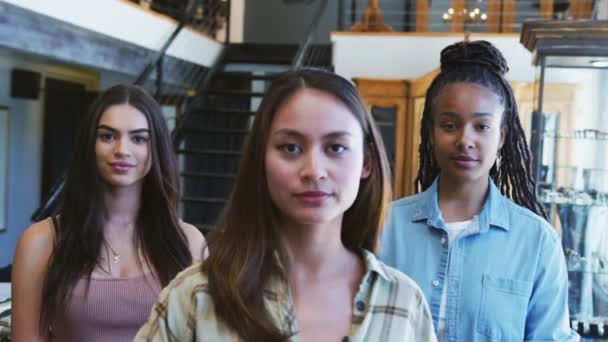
[574, 8]
[387, 94]
[494, 16]
[372, 20]
[581, 9]
[419, 86]
[400, 155]
[585, 9]
[458, 18]
[546, 9]
[422, 15]
[508, 15]
[381, 87]
[411, 145]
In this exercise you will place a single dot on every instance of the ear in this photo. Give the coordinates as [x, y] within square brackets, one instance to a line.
[367, 163]
[503, 136]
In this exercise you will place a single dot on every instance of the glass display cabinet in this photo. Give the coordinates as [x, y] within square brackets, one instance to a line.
[569, 143]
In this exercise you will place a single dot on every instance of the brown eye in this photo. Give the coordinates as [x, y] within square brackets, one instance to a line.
[337, 148]
[448, 126]
[290, 148]
[140, 139]
[106, 137]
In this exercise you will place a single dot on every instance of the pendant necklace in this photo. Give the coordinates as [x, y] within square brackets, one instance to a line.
[115, 255]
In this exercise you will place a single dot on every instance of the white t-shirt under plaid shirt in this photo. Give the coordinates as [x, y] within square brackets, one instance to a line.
[389, 307]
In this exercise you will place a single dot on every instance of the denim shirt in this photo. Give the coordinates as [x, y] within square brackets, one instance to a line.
[507, 282]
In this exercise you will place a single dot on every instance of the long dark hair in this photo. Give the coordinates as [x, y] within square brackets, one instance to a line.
[79, 234]
[243, 248]
[481, 63]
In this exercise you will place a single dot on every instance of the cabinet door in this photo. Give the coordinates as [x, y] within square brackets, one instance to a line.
[385, 118]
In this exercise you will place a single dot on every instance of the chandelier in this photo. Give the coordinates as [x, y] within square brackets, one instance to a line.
[470, 16]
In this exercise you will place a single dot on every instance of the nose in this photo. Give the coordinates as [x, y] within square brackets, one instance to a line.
[121, 148]
[466, 138]
[313, 167]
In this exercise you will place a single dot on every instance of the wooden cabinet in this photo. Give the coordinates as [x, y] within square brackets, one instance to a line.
[406, 99]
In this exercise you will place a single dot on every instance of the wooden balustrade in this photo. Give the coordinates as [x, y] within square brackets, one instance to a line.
[501, 15]
[372, 20]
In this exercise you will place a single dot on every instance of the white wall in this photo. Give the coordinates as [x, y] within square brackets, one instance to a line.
[406, 55]
[25, 145]
[128, 22]
[237, 20]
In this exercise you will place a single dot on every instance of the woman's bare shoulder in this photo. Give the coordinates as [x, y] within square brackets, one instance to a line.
[196, 241]
[39, 236]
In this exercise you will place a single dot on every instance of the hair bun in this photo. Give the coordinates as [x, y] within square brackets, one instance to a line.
[478, 53]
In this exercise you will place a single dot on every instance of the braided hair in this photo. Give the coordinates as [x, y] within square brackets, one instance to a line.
[479, 62]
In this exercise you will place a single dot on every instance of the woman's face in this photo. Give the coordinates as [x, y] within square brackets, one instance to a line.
[314, 158]
[466, 133]
[122, 146]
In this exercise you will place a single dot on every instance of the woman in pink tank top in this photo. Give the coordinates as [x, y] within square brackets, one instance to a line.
[94, 272]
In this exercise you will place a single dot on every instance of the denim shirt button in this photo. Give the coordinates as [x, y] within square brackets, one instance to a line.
[443, 241]
[360, 305]
[435, 283]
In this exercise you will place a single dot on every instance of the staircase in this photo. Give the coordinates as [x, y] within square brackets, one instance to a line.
[215, 131]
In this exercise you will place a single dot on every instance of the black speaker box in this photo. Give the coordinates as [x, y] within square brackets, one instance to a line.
[25, 84]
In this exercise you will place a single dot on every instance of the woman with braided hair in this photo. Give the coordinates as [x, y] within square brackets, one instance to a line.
[475, 238]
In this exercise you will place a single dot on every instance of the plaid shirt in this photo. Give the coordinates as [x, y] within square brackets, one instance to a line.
[389, 307]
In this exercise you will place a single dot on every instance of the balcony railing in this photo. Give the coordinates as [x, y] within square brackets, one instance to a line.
[492, 16]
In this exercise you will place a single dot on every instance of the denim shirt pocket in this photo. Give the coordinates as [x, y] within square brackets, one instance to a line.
[503, 308]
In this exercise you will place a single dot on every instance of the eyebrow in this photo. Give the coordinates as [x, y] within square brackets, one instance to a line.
[114, 130]
[476, 114]
[295, 134]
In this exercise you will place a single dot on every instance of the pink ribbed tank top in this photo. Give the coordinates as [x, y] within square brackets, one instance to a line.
[113, 309]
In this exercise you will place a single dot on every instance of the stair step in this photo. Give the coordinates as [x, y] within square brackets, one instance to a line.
[208, 151]
[233, 92]
[204, 200]
[208, 174]
[256, 53]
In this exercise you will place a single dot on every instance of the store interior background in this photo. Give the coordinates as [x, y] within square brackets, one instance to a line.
[70, 41]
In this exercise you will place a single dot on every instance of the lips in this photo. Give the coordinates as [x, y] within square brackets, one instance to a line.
[121, 167]
[313, 197]
[465, 161]
[464, 158]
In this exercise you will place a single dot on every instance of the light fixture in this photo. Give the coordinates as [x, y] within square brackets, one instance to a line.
[599, 63]
[474, 15]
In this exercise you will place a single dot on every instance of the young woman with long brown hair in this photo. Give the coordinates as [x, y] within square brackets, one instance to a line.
[94, 272]
[291, 259]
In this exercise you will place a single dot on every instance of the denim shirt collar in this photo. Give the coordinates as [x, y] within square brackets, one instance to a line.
[493, 212]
